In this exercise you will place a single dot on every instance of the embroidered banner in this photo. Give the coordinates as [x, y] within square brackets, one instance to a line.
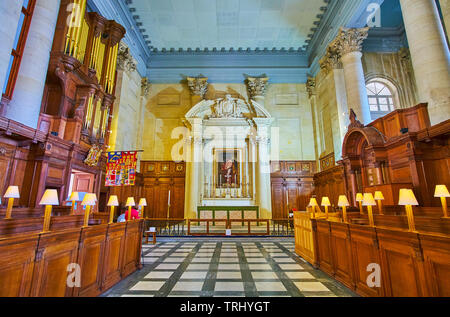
[121, 169]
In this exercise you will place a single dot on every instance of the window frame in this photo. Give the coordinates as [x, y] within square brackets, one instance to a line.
[17, 52]
[391, 105]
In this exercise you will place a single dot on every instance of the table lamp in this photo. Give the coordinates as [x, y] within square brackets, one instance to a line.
[407, 199]
[74, 197]
[313, 204]
[49, 199]
[130, 203]
[442, 192]
[88, 201]
[326, 203]
[359, 199]
[11, 193]
[368, 202]
[142, 204]
[379, 199]
[343, 202]
[112, 202]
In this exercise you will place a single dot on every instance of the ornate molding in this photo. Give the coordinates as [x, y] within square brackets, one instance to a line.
[350, 40]
[257, 86]
[198, 86]
[311, 86]
[332, 58]
[125, 60]
[145, 87]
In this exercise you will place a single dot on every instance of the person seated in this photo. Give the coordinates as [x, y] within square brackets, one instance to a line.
[121, 218]
[124, 213]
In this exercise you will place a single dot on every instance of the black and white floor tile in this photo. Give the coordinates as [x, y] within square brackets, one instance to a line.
[226, 267]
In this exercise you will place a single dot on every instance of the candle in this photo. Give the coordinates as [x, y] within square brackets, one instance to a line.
[168, 201]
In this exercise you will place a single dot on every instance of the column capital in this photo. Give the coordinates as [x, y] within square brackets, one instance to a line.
[332, 58]
[311, 86]
[257, 86]
[350, 40]
[125, 61]
[145, 87]
[198, 86]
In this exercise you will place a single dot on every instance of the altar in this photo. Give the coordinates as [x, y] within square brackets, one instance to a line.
[228, 159]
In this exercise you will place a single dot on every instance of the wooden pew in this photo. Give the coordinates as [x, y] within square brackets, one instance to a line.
[35, 264]
[412, 264]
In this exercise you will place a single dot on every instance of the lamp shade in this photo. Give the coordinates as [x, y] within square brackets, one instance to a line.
[359, 197]
[368, 200]
[143, 202]
[325, 201]
[130, 202]
[343, 201]
[313, 203]
[113, 201]
[406, 197]
[12, 192]
[74, 197]
[441, 191]
[50, 198]
[379, 195]
[89, 200]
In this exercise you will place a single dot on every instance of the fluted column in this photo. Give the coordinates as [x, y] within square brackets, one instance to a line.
[198, 87]
[9, 15]
[430, 56]
[25, 105]
[195, 173]
[349, 45]
[263, 195]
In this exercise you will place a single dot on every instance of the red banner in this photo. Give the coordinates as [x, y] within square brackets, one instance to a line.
[121, 169]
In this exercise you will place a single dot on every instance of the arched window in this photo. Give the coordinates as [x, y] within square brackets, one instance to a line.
[381, 99]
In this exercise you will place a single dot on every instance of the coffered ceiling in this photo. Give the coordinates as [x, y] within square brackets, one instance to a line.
[227, 24]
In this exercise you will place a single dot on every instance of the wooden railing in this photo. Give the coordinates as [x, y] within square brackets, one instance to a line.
[40, 264]
[228, 225]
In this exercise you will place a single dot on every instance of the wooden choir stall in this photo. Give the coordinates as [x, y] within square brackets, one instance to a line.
[399, 164]
[65, 154]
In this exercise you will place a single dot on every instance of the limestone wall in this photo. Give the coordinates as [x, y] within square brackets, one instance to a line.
[127, 117]
[287, 103]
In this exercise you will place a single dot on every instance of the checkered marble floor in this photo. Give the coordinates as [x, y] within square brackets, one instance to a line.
[226, 267]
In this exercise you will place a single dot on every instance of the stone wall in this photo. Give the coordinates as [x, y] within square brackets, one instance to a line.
[287, 103]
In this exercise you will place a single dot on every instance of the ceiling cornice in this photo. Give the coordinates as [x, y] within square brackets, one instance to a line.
[340, 13]
[117, 10]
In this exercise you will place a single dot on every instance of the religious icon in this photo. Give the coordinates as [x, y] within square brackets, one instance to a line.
[228, 168]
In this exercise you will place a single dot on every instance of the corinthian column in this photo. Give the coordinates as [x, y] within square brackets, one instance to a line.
[257, 87]
[198, 87]
[430, 56]
[349, 44]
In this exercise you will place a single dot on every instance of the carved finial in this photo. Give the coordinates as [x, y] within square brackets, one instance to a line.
[354, 122]
[198, 85]
[350, 40]
[257, 86]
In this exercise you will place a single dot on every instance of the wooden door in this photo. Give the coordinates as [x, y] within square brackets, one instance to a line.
[83, 182]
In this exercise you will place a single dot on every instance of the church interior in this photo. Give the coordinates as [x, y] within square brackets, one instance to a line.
[237, 148]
